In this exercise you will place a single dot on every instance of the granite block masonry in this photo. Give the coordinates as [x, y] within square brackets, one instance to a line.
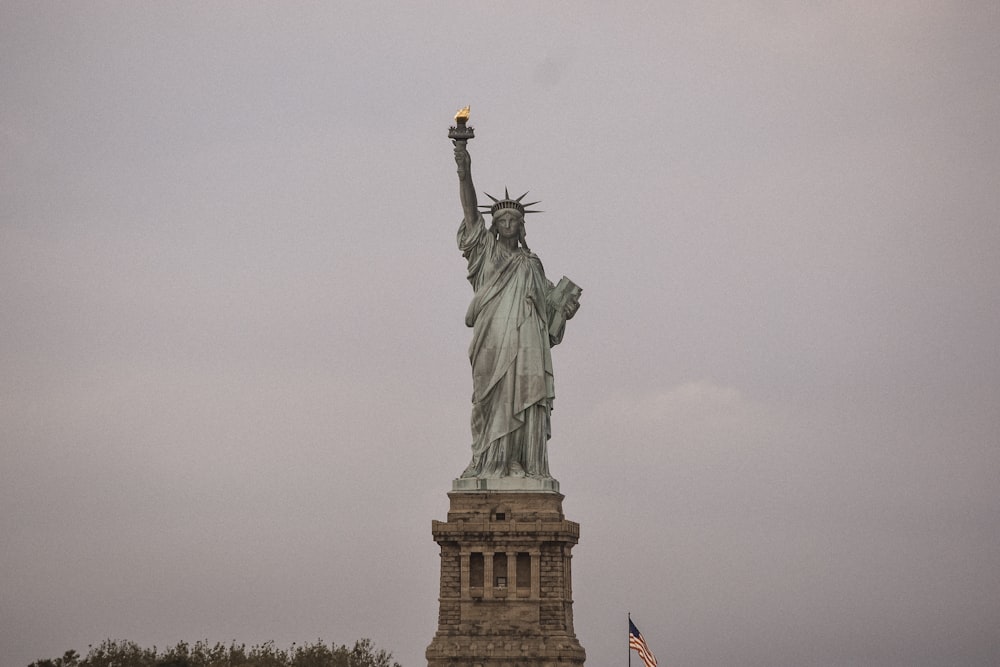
[506, 596]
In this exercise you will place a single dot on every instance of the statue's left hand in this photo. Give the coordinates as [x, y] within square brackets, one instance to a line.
[569, 310]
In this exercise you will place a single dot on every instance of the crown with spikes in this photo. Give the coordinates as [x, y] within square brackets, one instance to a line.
[507, 202]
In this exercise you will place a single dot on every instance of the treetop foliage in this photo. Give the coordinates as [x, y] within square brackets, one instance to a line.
[114, 653]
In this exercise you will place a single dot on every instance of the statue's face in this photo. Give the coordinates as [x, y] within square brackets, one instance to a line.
[508, 223]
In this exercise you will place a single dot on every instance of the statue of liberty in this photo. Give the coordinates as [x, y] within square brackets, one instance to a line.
[516, 316]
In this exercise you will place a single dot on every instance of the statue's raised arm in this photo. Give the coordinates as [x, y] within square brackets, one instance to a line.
[460, 133]
[466, 190]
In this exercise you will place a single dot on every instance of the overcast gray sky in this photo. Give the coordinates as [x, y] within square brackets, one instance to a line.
[234, 387]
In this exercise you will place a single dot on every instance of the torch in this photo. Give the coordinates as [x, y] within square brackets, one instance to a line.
[461, 132]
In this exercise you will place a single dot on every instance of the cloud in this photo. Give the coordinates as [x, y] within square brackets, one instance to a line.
[699, 415]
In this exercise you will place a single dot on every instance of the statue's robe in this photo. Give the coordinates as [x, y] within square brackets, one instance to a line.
[511, 357]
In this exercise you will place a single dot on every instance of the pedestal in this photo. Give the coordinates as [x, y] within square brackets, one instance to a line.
[506, 583]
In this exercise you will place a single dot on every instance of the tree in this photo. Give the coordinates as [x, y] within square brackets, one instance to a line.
[115, 653]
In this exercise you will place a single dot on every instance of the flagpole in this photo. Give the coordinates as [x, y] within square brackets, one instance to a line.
[629, 636]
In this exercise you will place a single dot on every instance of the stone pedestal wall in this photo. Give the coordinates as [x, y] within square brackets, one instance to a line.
[506, 585]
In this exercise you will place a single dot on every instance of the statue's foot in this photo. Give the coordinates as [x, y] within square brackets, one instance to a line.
[516, 470]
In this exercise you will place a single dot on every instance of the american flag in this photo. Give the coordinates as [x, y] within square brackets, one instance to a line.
[636, 641]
